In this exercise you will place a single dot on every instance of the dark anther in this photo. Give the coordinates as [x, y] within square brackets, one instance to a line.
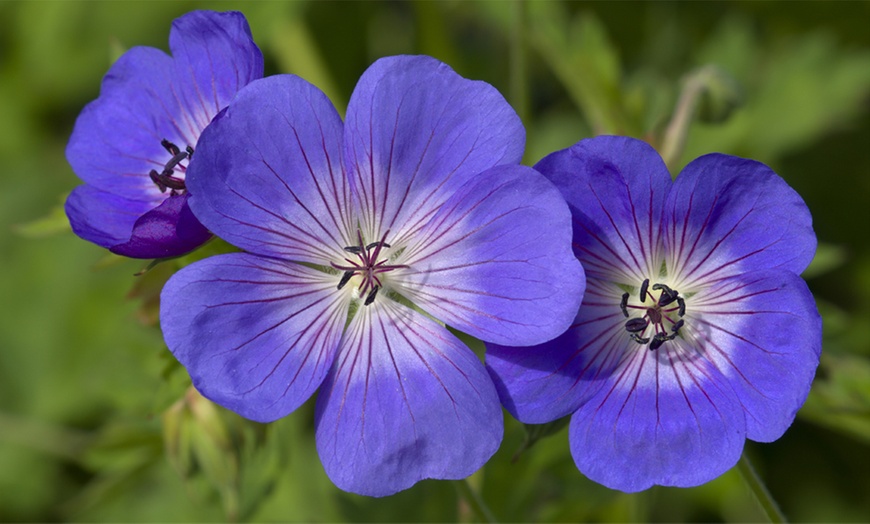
[640, 340]
[189, 151]
[155, 177]
[682, 304]
[170, 147]
[376, 244]
[356, 250]
[676, 327]
[345, 278]
[636, 325]
[664, 300]
[643, 290]
[657, 341]
[178, 157]
[166, 181]
[372, 294]
[668, 294]
[623, 305]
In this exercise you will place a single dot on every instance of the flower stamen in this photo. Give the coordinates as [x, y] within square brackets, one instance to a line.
[654, 315]
[643, 290]
[623, 305]
[164, 180]
[367, 266]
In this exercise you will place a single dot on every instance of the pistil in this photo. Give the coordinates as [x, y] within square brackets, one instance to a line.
[367, 266]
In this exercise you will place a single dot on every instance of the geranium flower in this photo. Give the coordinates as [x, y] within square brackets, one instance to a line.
[132, 145]
[362, 238]
[696, 331]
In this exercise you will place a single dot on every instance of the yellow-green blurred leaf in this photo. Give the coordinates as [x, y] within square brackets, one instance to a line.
[51, 224]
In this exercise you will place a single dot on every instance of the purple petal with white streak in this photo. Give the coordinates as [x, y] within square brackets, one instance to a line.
[666, 417]
[257, 335]
[215, 56]
[267, 176]
[116, 139]
[405, 401]
[764, 333]
[727, 215]
[495, 261]
[415, 131]
[616, 187]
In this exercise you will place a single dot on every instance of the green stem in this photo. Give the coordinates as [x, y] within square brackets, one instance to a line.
[757, 487]
[474, 501]
[678, 128]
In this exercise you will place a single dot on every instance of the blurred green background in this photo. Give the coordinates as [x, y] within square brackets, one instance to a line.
[88, 392]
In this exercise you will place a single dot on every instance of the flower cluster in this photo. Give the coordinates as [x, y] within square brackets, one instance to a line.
[362, 239]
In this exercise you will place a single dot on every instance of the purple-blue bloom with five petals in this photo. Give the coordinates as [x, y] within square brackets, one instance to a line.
[133, 144]
[364, 238]
[696, 331]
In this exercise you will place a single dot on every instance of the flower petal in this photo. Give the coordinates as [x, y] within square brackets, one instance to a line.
[103, 218]
[267, 175]
[415, 131]
[728, 215]
[405, 401]
[257, 335]
[495, 261]
[147, 96]
[615, 187]
[215, 56]
[116, 139]
[764, 333]
[168, 230]
[545, 382]
[666, 417]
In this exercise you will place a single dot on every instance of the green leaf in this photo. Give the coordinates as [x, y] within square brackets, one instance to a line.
[797, 89]
[53, 223]
[840, 398]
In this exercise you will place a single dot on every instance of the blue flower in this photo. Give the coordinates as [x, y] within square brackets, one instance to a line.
[132, 145]
[363, 239]
[696, 331]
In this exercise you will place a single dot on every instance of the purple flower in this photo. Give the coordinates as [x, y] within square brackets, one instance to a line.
[363, 237]
[696, 331]
[132, 145]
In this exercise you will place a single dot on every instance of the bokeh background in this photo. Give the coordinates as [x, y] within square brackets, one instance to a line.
[96, 422]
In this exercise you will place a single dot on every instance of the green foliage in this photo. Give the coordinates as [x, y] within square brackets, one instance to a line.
[98, 421]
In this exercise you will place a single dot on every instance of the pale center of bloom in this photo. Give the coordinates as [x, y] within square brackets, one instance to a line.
[366, 265]
[658, 312]
[168, 178]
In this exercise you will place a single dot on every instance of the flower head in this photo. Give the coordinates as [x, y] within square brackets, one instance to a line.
[696, 331]
[362, 238]
[132, 145]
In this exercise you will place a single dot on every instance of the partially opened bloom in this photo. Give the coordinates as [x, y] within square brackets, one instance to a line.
[132, 145]
[362, 238]
[695, 332]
